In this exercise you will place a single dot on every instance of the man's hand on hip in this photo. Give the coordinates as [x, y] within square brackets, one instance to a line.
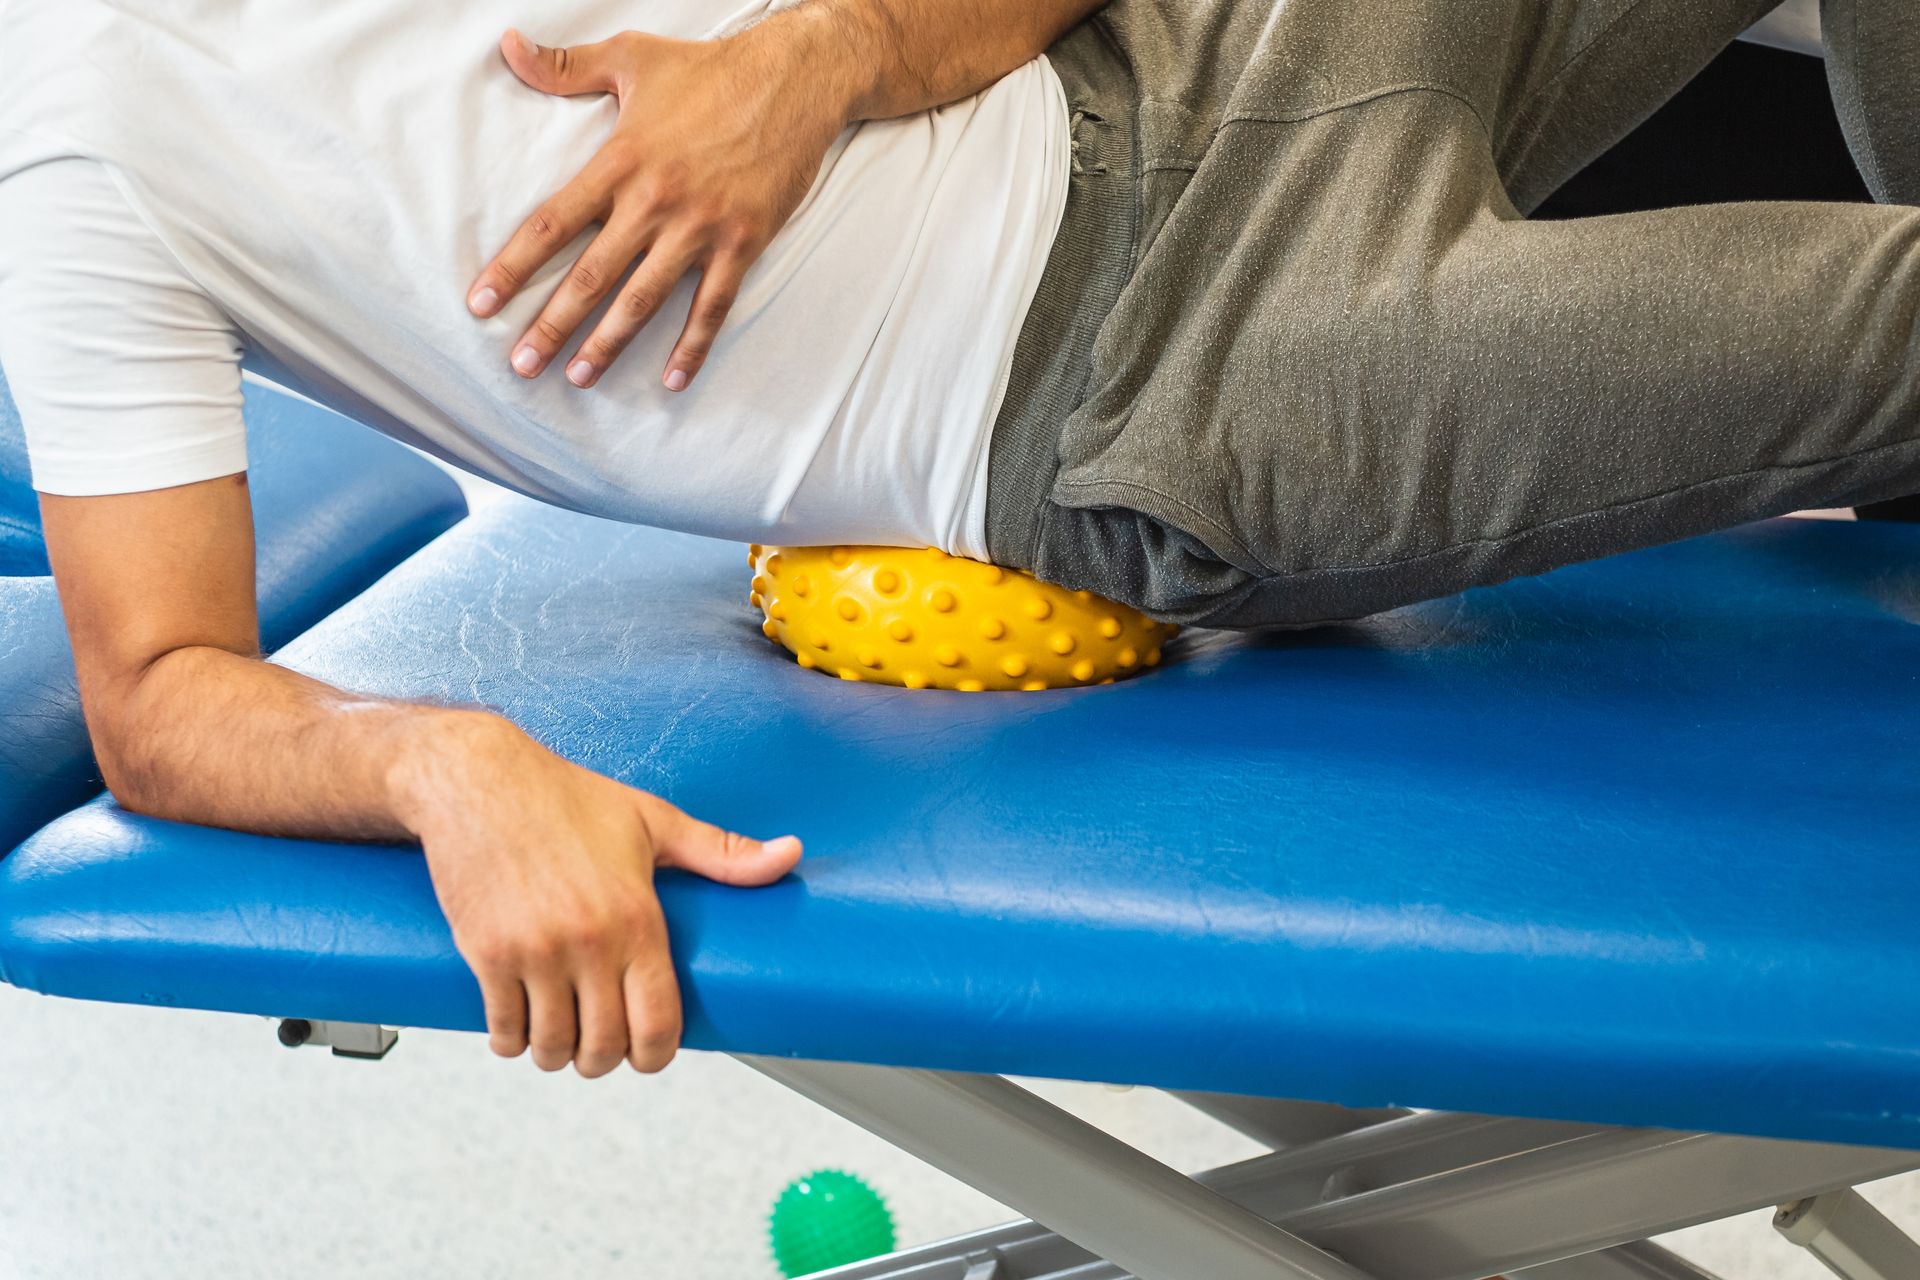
[717, 143]
[711, 154]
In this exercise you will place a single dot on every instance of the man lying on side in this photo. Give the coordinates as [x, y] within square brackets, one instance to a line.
[1224, 308]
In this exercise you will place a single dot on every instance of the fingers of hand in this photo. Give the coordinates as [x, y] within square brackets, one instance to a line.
[603, 1021]
[553, 1020]
[590, 280]
[591, 992]
[719, 286]
[653, 1007]
[547, 230]
[638, 300]
[506, 1002]
[618, 1020]
[564, 69]
[689, 844]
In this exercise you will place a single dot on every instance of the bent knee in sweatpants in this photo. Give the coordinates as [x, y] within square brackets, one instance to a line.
[1346, 373]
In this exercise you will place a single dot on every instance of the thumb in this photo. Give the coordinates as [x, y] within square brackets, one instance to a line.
[706, 850]
[560, 69]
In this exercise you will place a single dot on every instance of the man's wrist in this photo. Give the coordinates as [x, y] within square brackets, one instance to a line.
[440, 756]
[823, 56]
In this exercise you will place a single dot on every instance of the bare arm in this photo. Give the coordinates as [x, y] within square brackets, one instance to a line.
[544, 868]
[717, 143]
[895, 57]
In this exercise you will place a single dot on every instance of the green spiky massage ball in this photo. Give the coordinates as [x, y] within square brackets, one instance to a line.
[828, 1219]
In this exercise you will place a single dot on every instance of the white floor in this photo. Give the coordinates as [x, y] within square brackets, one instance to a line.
[140, 1144]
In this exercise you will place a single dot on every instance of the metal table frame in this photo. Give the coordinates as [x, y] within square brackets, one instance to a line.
[1343, 1195]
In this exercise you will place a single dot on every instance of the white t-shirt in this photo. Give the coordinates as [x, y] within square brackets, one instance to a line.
[319, 184]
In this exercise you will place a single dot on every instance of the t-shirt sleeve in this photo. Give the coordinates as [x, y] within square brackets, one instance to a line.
[126, 375]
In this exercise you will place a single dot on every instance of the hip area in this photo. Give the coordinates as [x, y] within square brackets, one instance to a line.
[1320, 214]
[1258, 402]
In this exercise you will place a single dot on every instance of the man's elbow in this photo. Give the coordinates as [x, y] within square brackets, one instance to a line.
[136, 731]
[131, 761]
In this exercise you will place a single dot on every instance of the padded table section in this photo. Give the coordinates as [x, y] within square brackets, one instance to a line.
[1633, 842]
[335, 506]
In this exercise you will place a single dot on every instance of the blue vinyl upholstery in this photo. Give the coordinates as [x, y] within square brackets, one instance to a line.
[335, 506]
[1632, 842]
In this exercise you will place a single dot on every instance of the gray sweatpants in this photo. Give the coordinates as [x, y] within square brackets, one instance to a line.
[1299, 355]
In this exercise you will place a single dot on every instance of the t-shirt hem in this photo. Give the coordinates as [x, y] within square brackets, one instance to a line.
[141, 475]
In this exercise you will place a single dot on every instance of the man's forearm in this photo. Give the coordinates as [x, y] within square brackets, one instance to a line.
[544, 869]
[884, 58]
[213, 737]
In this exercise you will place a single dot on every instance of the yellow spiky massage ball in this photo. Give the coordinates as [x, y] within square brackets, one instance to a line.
[928, 620]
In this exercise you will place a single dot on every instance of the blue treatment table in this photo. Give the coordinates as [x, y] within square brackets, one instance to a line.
[335, 506]
[1627, 845]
